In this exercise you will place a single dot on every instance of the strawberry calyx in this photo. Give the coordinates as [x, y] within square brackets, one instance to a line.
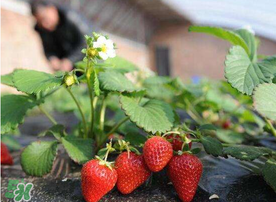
[104, 161]
[123, 145]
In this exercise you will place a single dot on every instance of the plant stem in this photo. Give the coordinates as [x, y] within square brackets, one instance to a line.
[81, 112]
[117, 126]
[192, 112]
[112, 131]
[47, 114]
[102, 114]
[271, 127]
[90, 90]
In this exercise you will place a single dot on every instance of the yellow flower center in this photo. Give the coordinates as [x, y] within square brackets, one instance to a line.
[104, 48]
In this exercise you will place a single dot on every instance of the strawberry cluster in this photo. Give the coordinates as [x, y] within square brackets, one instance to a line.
[131, 169]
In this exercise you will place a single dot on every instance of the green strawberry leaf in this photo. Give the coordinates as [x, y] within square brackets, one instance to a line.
[265, 100]
[115, 81]
[37, 158]
[33, 82]
[13, 110]
[229, 136]
[245, 75]
[152, 116]
[246, 153]
[7, 79]
[157, 80]
[56, 130]
[269, 173]
[95, 83]
[80, 150]
[212, 146]
[207, 127]
[250, 41]
[231, 36]
[120, 65]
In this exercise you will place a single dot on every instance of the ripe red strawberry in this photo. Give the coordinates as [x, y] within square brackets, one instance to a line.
[96, 180]
[157, 153]
[132, 172]
[176, 141]
[185, 171]
[6, 158]
[226, 124]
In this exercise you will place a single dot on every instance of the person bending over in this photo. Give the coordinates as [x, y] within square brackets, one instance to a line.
[62, 32]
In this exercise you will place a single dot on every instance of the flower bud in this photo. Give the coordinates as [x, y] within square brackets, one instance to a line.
[92, 52]
[69, 80]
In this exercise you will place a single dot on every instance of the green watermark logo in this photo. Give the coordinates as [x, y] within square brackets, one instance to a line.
[19, 191]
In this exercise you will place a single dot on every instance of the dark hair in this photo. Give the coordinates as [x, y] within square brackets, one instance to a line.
[36, 4]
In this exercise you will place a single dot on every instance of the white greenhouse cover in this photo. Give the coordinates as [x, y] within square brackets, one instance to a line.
[260, 15]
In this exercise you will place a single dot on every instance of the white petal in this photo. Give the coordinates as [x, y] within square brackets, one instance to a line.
[97, 45]
[109, 44]
[103, 55]
[111, 53]
[100, 42]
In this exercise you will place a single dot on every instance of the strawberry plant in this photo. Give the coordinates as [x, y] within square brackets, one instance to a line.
[172, 141]
[102, 77]
[254, 75]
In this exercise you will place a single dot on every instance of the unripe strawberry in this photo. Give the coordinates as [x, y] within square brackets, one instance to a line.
[97, 180]
[6, 158]
[185, 171]
[132, 172]
[157, 153]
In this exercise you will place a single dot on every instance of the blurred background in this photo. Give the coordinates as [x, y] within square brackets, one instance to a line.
[151, 33]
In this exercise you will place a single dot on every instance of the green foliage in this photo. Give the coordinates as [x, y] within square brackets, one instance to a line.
[250, 41]
[34, 82]
[153, 116]
[232, 37]
[247, 153]
[13, 111]
[207, 127]
[37, 158]
[265, 100]
[80, 150]
[11, 142]
[121, 65]
[56, 130]
[115, 81]
[212, 146]
[135, 139]
[157, 80]
[7, 79]
[229, 136]
[269, 173]
[223, 101]
[95, 83]
[245, 75]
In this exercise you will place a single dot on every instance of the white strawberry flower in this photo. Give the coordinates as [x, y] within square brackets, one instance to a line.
[106, 46]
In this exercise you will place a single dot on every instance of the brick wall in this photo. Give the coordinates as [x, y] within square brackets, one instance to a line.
[195, 54]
